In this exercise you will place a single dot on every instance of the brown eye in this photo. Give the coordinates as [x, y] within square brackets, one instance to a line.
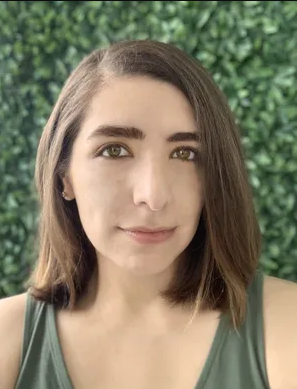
[112, 151]
[187, 154]
[184, 154]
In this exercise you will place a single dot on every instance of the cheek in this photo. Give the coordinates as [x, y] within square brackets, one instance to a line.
[96, 182]
[98, 195]
[191, 192]
[192, 206]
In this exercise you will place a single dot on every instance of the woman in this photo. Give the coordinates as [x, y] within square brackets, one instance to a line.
[147, 274]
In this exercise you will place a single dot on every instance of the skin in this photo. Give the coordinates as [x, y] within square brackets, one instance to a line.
[128, 325]
[150, 183]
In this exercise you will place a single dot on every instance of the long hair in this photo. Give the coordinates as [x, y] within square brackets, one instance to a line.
[222, 257]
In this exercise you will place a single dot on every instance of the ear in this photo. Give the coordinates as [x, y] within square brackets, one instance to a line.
[68, 188]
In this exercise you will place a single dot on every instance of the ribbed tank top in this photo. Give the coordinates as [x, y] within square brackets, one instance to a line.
[236, 360]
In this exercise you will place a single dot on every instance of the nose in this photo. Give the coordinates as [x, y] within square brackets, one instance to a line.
[152, 186]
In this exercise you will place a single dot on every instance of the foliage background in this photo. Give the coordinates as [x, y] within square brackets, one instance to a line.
[249, 46]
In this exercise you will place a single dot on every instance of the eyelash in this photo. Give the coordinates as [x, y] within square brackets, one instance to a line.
[101, 151]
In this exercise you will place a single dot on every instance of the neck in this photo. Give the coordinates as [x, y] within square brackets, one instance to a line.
[118, 297]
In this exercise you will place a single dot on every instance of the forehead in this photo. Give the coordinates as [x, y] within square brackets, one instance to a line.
[141, 102]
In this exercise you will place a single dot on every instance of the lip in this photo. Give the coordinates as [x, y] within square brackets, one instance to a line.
[147, 229]
[150, 236]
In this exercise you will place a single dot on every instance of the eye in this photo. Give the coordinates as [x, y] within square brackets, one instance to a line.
[187, 154]
[112, 151]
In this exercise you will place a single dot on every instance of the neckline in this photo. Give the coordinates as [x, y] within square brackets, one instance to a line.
[218, 339]
[58, 359]
[65, 380]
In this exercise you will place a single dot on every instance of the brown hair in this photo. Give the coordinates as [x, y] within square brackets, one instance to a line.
[223, 256]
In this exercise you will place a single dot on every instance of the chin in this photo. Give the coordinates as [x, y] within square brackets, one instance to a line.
[148, 266]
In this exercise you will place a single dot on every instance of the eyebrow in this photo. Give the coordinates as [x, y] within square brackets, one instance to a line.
[131, 132]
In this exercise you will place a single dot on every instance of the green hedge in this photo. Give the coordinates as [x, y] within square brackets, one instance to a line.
[249, 46]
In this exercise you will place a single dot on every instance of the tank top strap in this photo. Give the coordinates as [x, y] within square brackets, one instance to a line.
[32, 320]
[254, 327]
[41, 359]
[238, 358]
[255, 321]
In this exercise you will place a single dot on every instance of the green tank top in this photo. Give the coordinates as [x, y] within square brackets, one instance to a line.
[235, 360]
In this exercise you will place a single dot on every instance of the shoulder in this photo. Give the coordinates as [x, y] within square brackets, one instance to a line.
[12, 311]
[280, 327]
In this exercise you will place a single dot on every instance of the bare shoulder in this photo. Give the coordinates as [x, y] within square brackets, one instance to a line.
[12, 311]
[280, 318]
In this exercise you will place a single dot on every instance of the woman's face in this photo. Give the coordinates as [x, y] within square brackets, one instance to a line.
[149, 178]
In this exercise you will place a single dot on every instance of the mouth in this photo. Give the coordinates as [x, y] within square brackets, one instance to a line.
[148, 235]
[150, 230]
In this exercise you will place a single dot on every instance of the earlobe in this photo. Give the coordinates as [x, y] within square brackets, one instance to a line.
[67, 192]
